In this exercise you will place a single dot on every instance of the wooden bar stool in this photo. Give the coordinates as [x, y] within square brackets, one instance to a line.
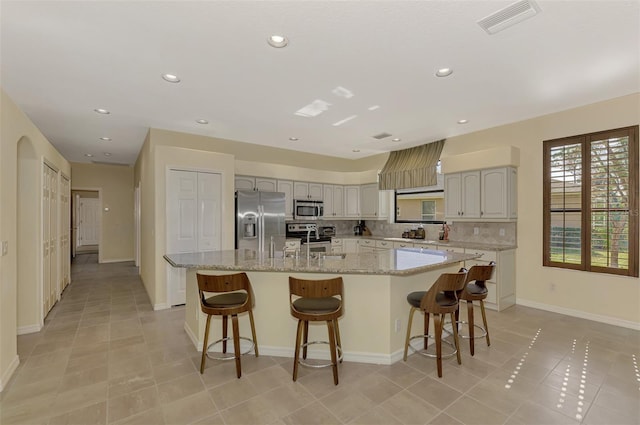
[439, 300]
[475, 289]
[236, 296]
[313, 301]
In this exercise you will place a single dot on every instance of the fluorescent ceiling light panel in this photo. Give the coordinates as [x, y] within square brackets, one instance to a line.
[313, 109]
[342, 92]
[338, 123]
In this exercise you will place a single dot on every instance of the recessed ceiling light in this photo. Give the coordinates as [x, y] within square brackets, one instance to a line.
[356, 150]
[444, 72]
[171, 78]
[102, 111]
[293, 139]
[463, 121]
[105, 139]
[88, 155]
[202, 121]
[397, 139]
[107, 154]
[277, 41]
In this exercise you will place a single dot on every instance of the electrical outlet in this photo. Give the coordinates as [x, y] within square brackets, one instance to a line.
[552, 287]
[5, 248]
[501, 232]
[398, 325]
[476, 231]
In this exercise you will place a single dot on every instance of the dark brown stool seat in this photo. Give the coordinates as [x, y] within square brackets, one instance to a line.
[313, 301]
[236, 296]
[439, 300]
[476, 290]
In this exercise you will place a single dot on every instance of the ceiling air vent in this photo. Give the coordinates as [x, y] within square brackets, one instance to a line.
[110, 163]
[381, 136]
[510, 15]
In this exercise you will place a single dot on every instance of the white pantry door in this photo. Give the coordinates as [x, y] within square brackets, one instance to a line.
[193, 222]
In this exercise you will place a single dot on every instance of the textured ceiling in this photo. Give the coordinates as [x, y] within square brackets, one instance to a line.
[61, 60]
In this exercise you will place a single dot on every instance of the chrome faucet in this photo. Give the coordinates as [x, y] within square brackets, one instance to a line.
[311, 227]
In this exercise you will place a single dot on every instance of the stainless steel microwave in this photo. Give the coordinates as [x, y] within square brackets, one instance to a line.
[306, 209]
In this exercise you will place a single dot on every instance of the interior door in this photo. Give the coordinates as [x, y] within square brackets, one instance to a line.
[89, 225]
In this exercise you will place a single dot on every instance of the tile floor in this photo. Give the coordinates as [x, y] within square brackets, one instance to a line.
[104, 357]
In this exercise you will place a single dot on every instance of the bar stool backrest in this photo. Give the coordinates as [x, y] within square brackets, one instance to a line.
[322, 288]
[450, 284]
[481, 273]
[224, 284]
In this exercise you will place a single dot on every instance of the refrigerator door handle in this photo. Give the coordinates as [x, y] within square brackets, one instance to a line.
[261, 228]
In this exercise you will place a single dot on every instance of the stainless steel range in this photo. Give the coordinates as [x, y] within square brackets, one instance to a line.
[313, 238]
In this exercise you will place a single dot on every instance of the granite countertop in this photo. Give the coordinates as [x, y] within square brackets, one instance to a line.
[393, 262]
[443, 244]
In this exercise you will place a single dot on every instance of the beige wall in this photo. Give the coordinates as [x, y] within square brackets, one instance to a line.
[15, 129]
[115, 184]
[597, 296]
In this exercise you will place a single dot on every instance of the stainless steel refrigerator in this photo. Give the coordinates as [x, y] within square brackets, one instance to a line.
[260, 220]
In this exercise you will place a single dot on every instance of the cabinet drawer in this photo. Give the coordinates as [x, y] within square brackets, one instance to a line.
[367, 242]
[451, 249]
[292, 244]
[403, 245]
[486, 255]
[384, 244]
[336, 242]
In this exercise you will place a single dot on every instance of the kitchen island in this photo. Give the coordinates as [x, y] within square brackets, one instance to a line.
[376, 285]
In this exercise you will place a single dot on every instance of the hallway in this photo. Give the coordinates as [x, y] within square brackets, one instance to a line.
[105, 357]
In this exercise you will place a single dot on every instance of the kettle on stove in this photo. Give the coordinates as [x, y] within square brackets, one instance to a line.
[357, 230]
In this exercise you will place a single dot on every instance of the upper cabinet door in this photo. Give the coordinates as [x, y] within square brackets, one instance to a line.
[266, 185]
[286, 187]
[315, 191]
[494, 193]
[471, 194]
[245, 183]
[452, 195]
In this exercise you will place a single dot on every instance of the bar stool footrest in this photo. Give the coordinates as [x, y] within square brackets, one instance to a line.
[449, 330]
[425, 353]
[306, 363]
[229, 355]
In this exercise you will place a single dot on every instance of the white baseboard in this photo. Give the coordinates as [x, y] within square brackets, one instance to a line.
[117, 260]
[160, 306]
[30, 329]
[6, 376]
[580, 314]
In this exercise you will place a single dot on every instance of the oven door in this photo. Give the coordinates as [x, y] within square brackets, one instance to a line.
[320, 247]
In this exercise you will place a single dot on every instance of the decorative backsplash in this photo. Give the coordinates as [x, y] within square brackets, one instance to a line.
[493, 233]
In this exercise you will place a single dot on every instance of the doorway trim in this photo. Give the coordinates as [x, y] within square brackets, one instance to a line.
[75, 216]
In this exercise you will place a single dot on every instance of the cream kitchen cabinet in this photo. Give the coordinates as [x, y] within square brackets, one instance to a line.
[305, 190]
[349, 245]
[255, 183]
[366, 245]
[374, 203]
[403, 245]
[498, 193]
[462, 195]
[502, 285]
[481, 195]
[352, 201]
[382, 245]
[337, 246]
[286, 187]
[333, 197]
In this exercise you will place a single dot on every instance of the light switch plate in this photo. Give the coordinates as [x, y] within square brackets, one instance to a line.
[5, 248]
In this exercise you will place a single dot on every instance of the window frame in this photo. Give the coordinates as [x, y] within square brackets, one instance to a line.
[586, 202]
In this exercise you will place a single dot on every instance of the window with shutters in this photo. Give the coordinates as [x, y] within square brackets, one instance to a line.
[591, 202]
